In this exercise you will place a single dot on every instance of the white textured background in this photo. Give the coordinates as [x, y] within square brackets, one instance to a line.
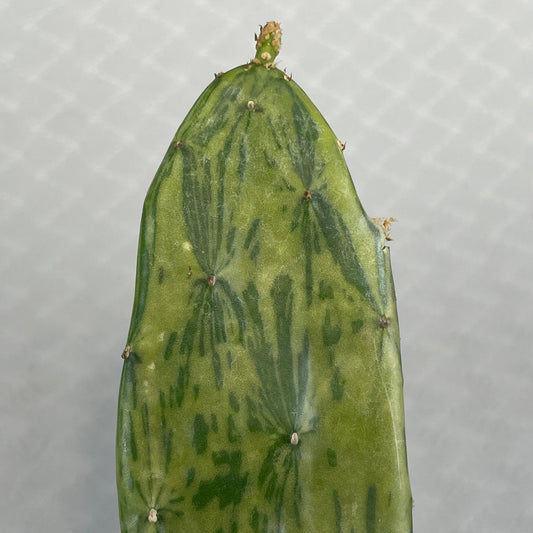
[435, 101]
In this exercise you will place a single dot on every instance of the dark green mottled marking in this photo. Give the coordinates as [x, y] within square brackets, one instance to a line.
[282, 299]
[251, 300]
[304, 369]
[224, 154]
[170, 345]
[203, 215]
[145, 422]
[331, 333]
[356, 326]
[265, 524]
[305, 218]
[371, 509]
[340, 244]
[219, 114]
[132, 440]
[337, 385]
[380, 257]
[162, 406]
[302, 149]
[130, 376]
[187, 340]
[270, 161]
[234, 402]
[217, 367]
[316, 237]
[196, 391]
[275, 131]
[230, 359]
[332, 457]
[199, 434]
[286, 187]
[191, 473]
[251, 237]
[139, 491]
[160, 275]
[254, 520]
[284, 378]
[338, 511]
[168, 437]
[254, 252]
[179, 499]
[228, 488]
[180, 385]
[235, 304]
[258, 521]
[243, 159]
[230, 239]
[267, 475]
[213, 305]
[325, 290]
[251, 232]
[218, 324]
[297, 213]
[252, 422]
[214, 423]
[282, 460]
[307, 235]
[282, 398]
[233, 432]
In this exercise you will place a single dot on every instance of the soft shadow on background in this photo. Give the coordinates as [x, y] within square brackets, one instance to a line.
[434, 100]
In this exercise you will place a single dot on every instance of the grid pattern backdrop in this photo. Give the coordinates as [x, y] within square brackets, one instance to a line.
[435, 101]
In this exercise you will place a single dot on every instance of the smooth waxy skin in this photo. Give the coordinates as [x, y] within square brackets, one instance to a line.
[262, 391]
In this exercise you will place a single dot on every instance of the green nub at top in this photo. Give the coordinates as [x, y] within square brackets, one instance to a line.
[267, 44]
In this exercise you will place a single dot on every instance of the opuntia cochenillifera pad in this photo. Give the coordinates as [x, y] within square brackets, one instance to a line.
[261, 389]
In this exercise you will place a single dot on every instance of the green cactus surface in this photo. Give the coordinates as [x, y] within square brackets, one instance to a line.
[261, 389]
